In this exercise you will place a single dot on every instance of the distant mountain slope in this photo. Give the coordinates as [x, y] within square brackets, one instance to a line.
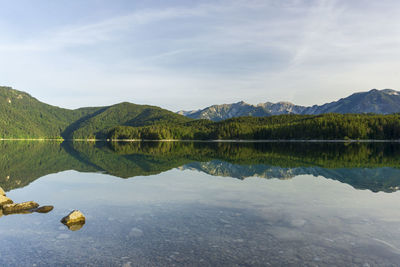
[385, 101]
[225, 111]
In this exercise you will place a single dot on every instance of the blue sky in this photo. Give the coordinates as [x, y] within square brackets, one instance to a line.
[191, 54]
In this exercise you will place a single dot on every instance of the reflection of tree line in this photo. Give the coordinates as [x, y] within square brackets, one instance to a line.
[282, 154]
[23, 162]
[385, 179]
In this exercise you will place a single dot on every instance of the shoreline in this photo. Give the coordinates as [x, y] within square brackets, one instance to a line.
[32, 139]
[257, 141]
[208, 141]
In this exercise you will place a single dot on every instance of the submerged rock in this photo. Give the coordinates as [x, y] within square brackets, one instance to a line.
[5, 200]
[25, 207]
[74, 221]
[18, 212]
[44, 209]
[2, 193]
[135, 232]
[75, 226]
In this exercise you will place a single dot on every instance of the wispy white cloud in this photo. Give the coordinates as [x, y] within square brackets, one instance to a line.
[105, 30]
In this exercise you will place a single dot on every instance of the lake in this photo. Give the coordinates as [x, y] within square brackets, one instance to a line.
[203, 204]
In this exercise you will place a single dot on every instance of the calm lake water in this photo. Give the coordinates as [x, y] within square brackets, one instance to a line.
[203, 204]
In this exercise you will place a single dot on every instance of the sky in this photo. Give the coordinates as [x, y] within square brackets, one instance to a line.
[185, 55]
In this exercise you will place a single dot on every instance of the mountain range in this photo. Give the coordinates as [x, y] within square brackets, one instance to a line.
[23, 116]
[386, 101]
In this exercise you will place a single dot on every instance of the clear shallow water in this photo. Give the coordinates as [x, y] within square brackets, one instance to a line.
[338, 208]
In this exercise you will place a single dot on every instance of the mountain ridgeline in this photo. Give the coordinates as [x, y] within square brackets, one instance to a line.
[386, 101]
[23, 116]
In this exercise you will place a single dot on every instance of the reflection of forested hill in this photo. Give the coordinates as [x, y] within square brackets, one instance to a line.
[291, 154]
[126, 164]
[22, 162]
[385, 179]
[373, 166]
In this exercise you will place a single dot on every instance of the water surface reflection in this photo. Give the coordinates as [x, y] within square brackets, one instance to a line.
[193, 204]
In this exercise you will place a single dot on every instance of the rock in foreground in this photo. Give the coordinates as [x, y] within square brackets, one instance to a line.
[18, 207]
[2, 193]
[5, 200]
[74, 221]
[74, 217]
[44, 209]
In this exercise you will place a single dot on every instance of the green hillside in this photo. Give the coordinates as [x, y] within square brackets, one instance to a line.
[23, 116]
[128, 114]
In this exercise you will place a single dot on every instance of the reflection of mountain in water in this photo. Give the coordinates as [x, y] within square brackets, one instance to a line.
[376, 179]
[373, 166]
[222, 168]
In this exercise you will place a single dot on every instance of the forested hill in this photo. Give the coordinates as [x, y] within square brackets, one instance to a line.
[98, 124]
[23, 116]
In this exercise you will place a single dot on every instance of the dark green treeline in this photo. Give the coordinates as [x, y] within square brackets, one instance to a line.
[283, 127]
